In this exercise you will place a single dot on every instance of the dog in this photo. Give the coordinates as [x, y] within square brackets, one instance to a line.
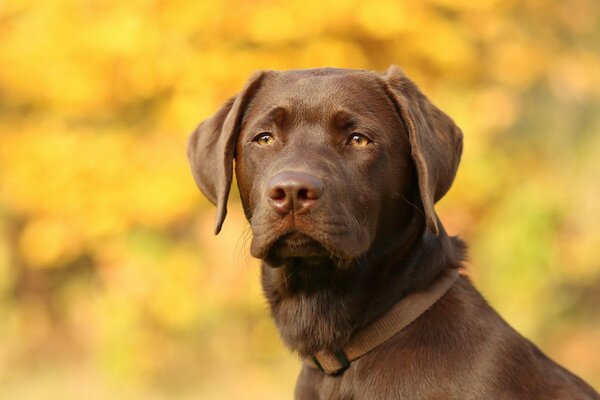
[338, 172]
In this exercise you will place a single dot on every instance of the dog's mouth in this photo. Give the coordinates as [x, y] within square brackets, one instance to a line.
[297, 244]
[278, 243]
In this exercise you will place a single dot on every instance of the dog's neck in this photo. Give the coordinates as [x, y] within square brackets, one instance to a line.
[318, 305]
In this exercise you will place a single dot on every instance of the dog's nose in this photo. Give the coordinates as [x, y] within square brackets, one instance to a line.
[294, 191]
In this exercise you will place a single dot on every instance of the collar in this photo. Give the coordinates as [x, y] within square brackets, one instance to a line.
[380, 330]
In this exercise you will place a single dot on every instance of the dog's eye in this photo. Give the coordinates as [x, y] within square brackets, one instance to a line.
[264, 139]
[358, 140]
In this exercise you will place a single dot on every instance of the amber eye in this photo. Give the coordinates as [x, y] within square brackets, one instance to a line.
[264, 139]
[358, 140]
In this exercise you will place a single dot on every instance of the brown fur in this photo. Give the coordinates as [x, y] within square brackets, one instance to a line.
[364, 236]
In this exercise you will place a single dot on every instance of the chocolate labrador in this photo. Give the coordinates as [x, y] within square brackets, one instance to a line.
[338, 172]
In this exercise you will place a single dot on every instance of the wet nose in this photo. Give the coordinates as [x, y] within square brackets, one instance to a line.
[294, 191]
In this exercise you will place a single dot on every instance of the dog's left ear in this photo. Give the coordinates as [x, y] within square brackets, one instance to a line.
[211, 146]
[435, 140]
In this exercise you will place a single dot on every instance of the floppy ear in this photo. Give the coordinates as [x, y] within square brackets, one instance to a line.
[210, 149]
[435, 140]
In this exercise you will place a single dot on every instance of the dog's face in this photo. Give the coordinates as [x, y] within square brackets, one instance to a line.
[318, 153]
[311, 158]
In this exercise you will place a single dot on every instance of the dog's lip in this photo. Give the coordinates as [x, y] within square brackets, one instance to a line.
[297, 244]
[336, 241]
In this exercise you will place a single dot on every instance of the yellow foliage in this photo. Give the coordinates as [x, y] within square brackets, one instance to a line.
[47, 242]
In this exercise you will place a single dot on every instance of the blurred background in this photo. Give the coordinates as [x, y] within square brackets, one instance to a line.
[111, 283]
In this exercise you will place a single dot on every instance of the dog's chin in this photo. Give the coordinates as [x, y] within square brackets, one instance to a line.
[297, 245]
[294, 246]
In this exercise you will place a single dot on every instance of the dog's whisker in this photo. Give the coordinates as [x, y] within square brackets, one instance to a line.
[411, 204]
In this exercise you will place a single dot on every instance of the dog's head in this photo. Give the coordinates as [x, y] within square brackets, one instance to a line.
[320, 155]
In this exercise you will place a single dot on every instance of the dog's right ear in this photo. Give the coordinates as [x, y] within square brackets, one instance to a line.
[211, 146]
